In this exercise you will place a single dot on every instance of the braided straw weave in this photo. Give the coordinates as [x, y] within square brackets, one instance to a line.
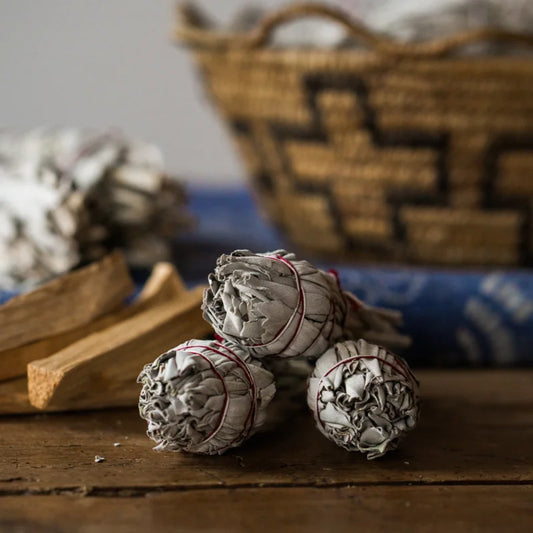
[399, 152]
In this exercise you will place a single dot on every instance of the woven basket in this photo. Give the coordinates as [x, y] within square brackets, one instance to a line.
[399, 152]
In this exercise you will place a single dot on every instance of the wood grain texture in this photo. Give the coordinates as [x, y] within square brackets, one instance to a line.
[100, 370]
[163, 284]
[467, 467]
[476, 426]
[390, 509]
[48, 310]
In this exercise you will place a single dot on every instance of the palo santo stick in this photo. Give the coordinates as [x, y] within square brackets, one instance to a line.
[100, 370]
[14, 398]
[164, 284]
[65, 303]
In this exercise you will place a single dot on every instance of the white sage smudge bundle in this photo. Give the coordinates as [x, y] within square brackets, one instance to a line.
[275, 305]
[204, 397]
[412, 20]
[68, 197]
[363, 397]
[401, 20]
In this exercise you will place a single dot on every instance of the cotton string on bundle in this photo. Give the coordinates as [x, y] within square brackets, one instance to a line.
[204, 397]
[363, 397]
[275, 305]
[208, 396]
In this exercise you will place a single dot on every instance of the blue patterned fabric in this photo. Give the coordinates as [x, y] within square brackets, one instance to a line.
[456, 318]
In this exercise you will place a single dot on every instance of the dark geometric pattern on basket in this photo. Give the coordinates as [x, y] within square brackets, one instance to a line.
[351, 170]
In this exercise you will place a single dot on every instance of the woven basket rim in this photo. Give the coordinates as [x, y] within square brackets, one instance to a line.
[196, 30]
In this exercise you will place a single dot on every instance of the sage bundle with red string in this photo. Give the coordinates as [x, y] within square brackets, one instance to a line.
[204, 397]
[273, 304]
[208, 396]
[363, 397]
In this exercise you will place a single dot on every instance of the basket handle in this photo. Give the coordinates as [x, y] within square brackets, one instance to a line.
[194, 29]
[202, 35]
[262, 34]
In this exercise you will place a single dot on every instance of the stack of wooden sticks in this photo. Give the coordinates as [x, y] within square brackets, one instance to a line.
[74, 343]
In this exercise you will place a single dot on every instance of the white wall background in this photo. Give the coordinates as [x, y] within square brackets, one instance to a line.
[111, 63]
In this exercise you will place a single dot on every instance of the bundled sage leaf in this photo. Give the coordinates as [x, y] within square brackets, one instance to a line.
[414, 21]
[275, 305]
[69, 196]
[204, 397]
[363, 397]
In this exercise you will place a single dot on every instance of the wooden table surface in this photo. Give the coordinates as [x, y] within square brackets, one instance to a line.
[468, 467]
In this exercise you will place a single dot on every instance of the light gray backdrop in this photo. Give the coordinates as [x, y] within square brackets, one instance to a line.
[111, 63]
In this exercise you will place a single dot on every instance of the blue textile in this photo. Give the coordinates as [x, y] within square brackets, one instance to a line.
[455, 317]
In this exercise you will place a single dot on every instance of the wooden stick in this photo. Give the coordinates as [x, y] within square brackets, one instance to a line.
[164, 284]
[65, 303]
[101, 370]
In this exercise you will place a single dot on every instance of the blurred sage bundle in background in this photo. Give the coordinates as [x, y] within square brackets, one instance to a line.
[68, 196]
[402, 20]
[412, 20]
